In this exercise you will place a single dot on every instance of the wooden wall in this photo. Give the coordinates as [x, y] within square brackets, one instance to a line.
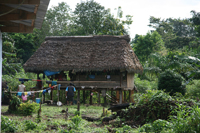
[122, 80]
[130, 80]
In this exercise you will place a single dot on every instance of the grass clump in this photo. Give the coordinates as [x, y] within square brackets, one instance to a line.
[28, 108]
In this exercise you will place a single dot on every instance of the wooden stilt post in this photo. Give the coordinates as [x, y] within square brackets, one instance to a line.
[58, 93]
[37, 75]
[103, 111]
[99, 97]
[117, 96]
[43, 98]
[130, 96]
[90, 98]
[120, 96]
[105, 101]
[78, 101]
[124, 96]
[51, 95]
[84, 96]
[112, 96]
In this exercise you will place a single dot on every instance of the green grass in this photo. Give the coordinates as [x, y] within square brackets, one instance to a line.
[53, 120]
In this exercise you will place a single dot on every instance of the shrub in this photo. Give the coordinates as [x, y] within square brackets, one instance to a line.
[160, 125]
[126, 128]
[77, 113]
[193, 88]
[76, 120]
[28, 108]
[14, 104]
[144, 85]
[30, 125]
[187, 120]
[7, 125]
[146, 128]
[171, 82]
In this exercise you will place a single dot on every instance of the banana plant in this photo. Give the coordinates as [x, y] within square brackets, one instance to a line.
[194, 63]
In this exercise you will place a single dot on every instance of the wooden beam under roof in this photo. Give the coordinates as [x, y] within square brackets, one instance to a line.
[26, 2]
[17, 29]
[24, 15]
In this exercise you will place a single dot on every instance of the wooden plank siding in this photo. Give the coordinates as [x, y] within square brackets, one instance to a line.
[116, 82]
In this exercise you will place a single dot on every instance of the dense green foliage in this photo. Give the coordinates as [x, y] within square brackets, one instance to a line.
[28, 108]
[171, 82]
[193, 88]
[147, 44]
[176, 33]
[25, 45]
[14, 104]
[7, 125]
[169, 55]
[186, 121]
[10, 63]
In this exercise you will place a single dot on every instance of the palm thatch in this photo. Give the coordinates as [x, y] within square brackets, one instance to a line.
[84, 53]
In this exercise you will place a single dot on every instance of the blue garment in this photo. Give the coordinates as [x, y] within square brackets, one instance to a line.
[49, 73]
[44, 91]
[92, 76]
[29, 93]
[48, 88]
[70, 91]
[67, 89]
[59, 86]
[21, 79]
[19, 93]
[54, 83]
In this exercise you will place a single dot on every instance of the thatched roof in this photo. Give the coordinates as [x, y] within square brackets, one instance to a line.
[84, 53]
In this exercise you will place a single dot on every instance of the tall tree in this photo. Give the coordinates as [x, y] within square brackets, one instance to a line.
[56, 23]
[89, 16]
[176, 33]
[92, 19]
[196, 21]
[25, 44]
[58, 18]
[10, 63]
[147, 44]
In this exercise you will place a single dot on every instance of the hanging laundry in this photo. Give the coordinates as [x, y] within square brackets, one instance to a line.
[44, 91]
[54, 83]
[29, 93]
[48, 88]
[24, 98]
[25, 93]
[49, 91]
[48, 82]
[19, 93]
[21, 79]
[49, 73]
[59, 86]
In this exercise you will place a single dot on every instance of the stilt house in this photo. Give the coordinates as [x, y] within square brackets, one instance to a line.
[95, 63]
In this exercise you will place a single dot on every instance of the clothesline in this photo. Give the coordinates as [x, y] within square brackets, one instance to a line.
[47, 81]
[39, 91]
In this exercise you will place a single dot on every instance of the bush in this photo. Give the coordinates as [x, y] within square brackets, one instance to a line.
[193, 88]
[146, 128]
[187, 120]
[7, 125]
[160, 125]
[76, 120]
[14, 104]
[77, 113]
[144, 85]
[171, 82]
[30, 125]
[28, 108]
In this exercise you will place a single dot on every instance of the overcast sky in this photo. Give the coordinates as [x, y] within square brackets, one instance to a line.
[141, 10]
